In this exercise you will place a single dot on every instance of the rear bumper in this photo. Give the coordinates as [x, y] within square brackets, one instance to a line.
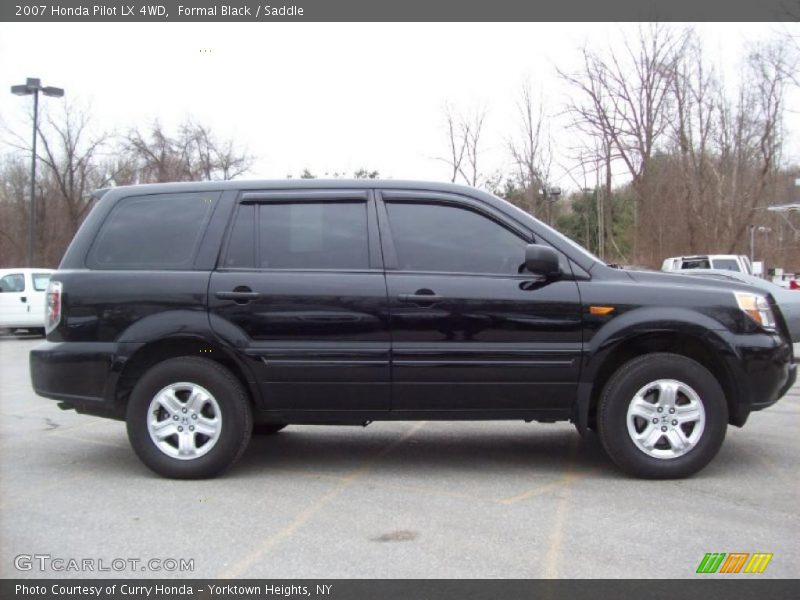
[82, 375]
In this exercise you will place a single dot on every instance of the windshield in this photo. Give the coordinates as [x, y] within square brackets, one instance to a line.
[572, 243]
[554, 235]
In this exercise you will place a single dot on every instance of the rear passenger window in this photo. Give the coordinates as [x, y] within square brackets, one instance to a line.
[40, 281]
[160, 231]
[313, 235]
[726, 264]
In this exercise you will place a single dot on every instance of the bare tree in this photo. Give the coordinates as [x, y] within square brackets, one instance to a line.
[464, 137]
[193, 154]
[753, 135]
[14, 186]
[624, 98]
[71, 158]
[456, 143]
[72, 154]
[722, 159]
[531, 152]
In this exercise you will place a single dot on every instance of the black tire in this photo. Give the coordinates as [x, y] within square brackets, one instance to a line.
[619, 393]
[268, 428]
[234, 408]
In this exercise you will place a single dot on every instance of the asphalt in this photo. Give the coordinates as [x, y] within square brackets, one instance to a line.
[394, 500]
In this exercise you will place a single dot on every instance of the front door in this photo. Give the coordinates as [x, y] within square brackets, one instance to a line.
[14, 305]
[300, 287]
[471, 330]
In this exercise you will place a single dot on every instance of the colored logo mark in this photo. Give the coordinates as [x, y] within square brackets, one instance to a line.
[734, 562]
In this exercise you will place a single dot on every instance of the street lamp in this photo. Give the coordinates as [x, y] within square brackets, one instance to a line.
[753, 229]
[551, 194]
[34, 86]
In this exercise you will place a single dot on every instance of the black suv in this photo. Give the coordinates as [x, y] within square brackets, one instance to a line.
[202, 312]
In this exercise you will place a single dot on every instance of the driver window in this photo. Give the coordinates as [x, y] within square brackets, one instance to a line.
[451, 239]
[14, 282]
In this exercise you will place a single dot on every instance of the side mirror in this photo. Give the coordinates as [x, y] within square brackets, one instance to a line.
[542, 260]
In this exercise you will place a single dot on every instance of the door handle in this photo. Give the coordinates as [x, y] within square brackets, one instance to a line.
[421, 297]
[241, 294]
[23, 298]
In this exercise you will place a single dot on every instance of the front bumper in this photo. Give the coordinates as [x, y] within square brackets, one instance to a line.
[764, 370]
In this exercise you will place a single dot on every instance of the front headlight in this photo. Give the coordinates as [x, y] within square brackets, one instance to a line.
[757, 308]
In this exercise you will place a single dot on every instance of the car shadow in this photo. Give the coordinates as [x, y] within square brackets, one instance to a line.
[315, 450]
[342, 452]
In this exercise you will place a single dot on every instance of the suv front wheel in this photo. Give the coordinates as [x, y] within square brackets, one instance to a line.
[189, 418]
[662, 416]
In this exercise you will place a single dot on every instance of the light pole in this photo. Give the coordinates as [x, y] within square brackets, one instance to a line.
[34, 86]
[753, 229]
[550, 194]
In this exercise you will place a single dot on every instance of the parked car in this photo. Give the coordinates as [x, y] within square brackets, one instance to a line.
[22, 294]
[788, 300]
[194, 310]
[724, 262]
[790, 282]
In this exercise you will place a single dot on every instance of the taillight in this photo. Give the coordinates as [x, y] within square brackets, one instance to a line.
[52, 306]
[794, 284]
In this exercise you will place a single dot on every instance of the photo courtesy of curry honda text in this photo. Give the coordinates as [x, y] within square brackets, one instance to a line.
[203, 313]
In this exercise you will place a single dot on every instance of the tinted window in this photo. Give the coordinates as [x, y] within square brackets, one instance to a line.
[40, 281]
[241, 252]
[158, 231]
[14, 282]
[436, 237]
[313, 235]
[726, 264]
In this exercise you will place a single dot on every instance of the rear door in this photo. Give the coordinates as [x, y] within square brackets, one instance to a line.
[300, 289]
[38, 282]
[471, 330]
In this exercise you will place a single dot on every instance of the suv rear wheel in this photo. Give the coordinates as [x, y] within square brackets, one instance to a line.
[662, 416]
[189, 418]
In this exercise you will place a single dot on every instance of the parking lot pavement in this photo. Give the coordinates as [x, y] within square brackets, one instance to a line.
[451, 500]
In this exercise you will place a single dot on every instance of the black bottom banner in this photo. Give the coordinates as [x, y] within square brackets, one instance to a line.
[406, 589]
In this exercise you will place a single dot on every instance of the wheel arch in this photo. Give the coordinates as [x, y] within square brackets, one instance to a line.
[156, 351]
[708, 350]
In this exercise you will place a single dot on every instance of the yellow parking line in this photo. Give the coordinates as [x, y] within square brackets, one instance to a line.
[549, 487]
[306, 515]
[90, 441]
[553, 555]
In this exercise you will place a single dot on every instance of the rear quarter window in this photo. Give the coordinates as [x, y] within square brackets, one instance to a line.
[726, 264]
[159, 231]
[40, 281]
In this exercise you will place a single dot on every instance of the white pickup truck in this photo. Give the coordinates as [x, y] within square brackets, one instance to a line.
[22, 296]
[723, 262]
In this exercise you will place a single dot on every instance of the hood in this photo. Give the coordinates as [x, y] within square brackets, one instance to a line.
[693, 281]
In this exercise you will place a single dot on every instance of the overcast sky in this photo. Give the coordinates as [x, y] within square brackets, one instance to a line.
[328, 97]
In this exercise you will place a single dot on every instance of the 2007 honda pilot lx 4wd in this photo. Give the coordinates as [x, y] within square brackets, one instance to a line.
[199, 313]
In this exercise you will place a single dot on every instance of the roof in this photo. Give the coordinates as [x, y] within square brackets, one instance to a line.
[284, 184]
[794, 207]
[12, 270]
